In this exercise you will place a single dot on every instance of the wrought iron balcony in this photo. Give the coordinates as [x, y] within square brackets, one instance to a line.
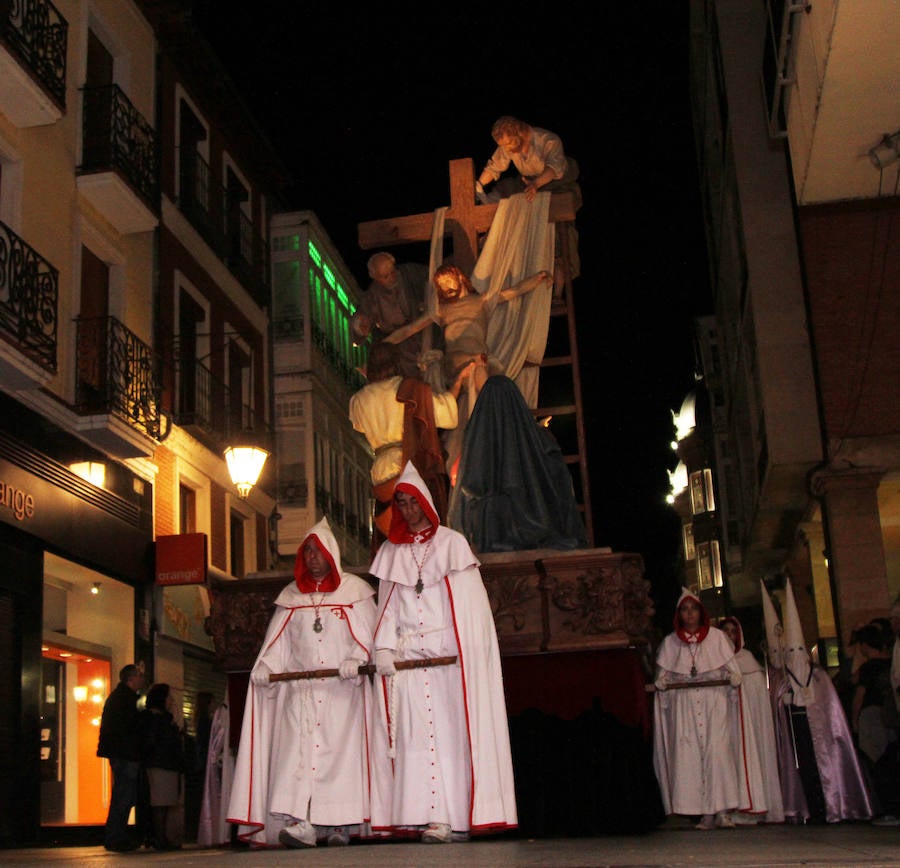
[29, 292]
[116, 374]
[248, 256]
[36, 34]
[350, 375]
[213, 412]
[118, 139]
[197, 202]
[217, 216]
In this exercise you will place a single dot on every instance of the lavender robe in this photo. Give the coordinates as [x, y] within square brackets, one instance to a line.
[844, 787]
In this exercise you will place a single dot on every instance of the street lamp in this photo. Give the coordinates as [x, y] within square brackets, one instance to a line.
[245, 463]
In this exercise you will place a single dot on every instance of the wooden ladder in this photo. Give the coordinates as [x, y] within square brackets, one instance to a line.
[559, 394]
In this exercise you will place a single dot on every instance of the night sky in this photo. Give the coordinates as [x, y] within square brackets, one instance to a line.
[367, 105]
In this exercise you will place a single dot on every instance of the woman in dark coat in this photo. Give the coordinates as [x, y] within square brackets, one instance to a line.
[162, 743]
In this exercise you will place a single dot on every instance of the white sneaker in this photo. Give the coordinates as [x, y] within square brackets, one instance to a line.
[437, 833]
[299, 834]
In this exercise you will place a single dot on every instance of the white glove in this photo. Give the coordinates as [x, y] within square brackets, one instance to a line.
[735, 678]
[349, 668]
[260, 675]
[661, 683]
[384, 662]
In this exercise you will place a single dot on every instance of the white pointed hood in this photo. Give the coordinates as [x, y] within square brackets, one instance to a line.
[797, 661]
[448, 551]
[341, 586]
[410, 482]
[774, 630]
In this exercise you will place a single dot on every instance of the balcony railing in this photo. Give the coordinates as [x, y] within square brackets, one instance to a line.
[117, 138]
[350, 375]
[29, 293]
[37, 34]
[248, 256]
[209, 408]
[224, 226]
[195, 200]
[116, 375]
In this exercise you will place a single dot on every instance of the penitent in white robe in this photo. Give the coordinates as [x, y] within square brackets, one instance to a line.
[441, 733]
[303, 752]
[213, 830]
[756, 739]
[694, 755]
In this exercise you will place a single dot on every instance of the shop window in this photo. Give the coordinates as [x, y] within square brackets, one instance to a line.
[81, 609]
[75, 782]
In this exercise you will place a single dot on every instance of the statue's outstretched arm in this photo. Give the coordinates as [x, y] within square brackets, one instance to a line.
[527, 285]
[405, 331]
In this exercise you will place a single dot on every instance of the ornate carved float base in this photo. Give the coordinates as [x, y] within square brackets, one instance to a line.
[547, 600]
[543, 601]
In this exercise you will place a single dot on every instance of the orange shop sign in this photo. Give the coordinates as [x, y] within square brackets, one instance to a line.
[181, 559]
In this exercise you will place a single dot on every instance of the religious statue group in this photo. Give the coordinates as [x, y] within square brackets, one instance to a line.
[452, 373]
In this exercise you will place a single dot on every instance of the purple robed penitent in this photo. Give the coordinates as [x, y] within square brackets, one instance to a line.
[844, 788]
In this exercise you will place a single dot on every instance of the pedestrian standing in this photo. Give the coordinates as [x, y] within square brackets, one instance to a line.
[162, 749]
[119, 742]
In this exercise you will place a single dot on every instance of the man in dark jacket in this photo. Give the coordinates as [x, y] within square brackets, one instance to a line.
[120, 743]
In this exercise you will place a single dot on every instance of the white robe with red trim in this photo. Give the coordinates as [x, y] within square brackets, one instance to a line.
[304, 743]
[442, 735]
[756, 740]
[694, 756]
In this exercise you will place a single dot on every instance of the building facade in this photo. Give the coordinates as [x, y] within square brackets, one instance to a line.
[79, 206]
[219, 180]
[795, 117]
[322, 463]
[135, 198]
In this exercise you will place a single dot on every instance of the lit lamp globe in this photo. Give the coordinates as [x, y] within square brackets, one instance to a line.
[245, 463]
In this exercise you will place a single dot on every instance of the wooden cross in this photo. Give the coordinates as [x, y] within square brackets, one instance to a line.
[464, 220]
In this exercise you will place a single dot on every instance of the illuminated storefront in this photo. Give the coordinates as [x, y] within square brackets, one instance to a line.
[75, 593]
